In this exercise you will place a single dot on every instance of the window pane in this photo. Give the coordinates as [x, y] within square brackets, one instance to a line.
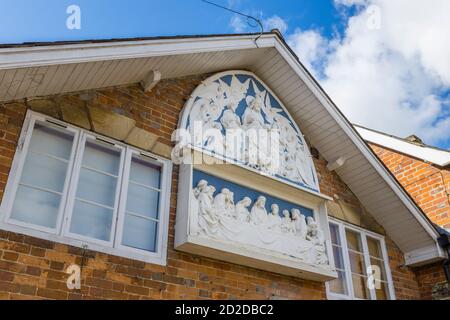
[334, 233]
[360, 287]
[42, 171]
[145, 173]
[139, 233]
[96, 187]
[357, 263]
[353, 240]
[97, 184]
[339, 285]
[374, 247]
[36, 207]
[38, 196]
[143, 201]
[338, 260]
[101, 158]
[51, 141]
[91, 221]
[381, 290]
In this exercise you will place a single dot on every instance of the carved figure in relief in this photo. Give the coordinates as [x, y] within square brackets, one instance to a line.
[286, 225]
[208, 219]
[230, 120]
[274, 219]
[224, 203]
[252, 118]
[236, 92]
[258, 214]
[301, 228]
[215, 107]
[242, 214]
[315, 235]
[195, 206]
[218, 217]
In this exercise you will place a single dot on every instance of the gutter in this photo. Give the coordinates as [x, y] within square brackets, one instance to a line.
[444, 242]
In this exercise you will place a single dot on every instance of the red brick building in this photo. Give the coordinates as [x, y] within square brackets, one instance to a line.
[424, 172]
[95, 205]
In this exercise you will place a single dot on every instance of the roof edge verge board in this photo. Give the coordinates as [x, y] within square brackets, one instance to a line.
[387, 201]
[426, 153]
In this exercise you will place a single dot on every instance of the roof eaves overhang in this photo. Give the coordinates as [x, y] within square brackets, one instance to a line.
[417, 257]
[426, 153]
[23, 56]
[26, 56]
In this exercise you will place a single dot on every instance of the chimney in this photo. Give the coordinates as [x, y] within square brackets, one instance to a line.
[414, 139]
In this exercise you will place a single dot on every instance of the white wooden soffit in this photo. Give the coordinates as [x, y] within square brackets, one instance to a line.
[306, 101]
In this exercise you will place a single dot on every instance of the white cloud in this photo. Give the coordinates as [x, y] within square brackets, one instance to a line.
[311, 47]
[241, 24]
[389, 67]
[275, 22]
[238, 24]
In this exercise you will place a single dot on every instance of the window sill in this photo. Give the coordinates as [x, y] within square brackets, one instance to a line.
[153, 258]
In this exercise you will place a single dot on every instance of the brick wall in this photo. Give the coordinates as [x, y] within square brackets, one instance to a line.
[33, 268]
[428, 184]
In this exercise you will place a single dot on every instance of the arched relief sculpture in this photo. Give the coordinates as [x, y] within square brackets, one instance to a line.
[237, 101]
[215, 215]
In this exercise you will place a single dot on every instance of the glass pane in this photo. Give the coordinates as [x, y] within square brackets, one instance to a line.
[91, 221]
[51, 141]
[145, 173]
[353, 240]
[357, 263]
[36, 207]
[139, 233]
[378, 268]
[334, 232]
[338, 261]
[101, 158]
[374, 247]
[381, 290]
[338, 285]
[42, 171]
[360, 287]
[143, 201]
[96, 187]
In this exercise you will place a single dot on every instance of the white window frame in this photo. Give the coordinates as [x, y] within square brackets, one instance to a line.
[364, 234]
[61, 233]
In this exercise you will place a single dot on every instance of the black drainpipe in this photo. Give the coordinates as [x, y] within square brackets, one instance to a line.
[444, 242]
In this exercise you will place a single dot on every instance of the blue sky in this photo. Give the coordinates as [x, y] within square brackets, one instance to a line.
[139, 18]
[378, 59]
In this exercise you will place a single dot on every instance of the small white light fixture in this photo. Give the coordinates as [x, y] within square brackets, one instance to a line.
[339, 162]
[151, 80]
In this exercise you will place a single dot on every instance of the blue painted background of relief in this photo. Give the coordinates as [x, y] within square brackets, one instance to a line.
[240, 112]
[240, 192]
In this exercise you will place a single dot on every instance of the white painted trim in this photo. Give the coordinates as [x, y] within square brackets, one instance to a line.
[417, 257]
[20, 57]
[422, 152]
[61, 234]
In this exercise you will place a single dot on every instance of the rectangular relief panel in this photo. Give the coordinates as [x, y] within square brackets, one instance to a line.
[232, 219]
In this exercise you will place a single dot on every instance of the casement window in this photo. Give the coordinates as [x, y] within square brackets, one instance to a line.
[72, 186]
[361, 260]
